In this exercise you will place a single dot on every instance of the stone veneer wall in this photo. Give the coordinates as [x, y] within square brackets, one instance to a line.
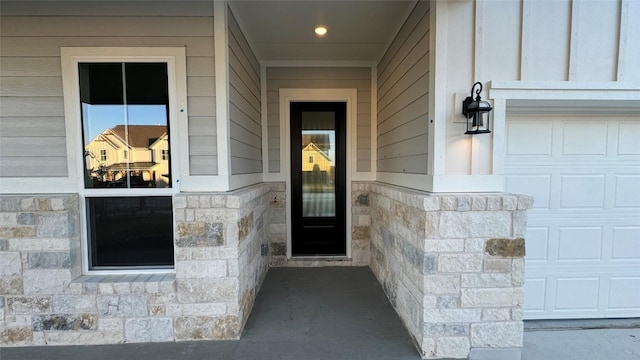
[452, 265]
[44, 299]
[360, 230]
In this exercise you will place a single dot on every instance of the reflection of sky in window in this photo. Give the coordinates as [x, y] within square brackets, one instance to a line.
[98, 118]
[332, 141]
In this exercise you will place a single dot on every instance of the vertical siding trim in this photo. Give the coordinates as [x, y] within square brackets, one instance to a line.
[221, 51]
[625, 30]
[477, 51]
[265, 126]
[437, 116]
[573, 41]
[525, 35]
[499, 130]
[373, 123]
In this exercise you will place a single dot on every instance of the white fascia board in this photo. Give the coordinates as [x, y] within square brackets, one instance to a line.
[220, 183]
[413, 181]
[274, 177]
[204, 184]
[445, 183]
[468, 183]
[244, 180]
[363, 176]
[564, 90]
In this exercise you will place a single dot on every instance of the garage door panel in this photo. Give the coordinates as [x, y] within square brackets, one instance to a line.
[538, 186]
[578, 294]
[580, 243]
[627, 190]
[535, 292]
[583, 234]
[556, 239]
[537, 243]
[584, 138]
[625, 243]
[624, 293]
[529, 138]
[628, 135]
[582, 191]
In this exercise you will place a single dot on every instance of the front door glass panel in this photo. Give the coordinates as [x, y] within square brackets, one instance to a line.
[318, 164]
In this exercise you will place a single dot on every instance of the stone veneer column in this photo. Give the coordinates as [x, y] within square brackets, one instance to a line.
[277, 228]
[219, 266]
[452, 265]
[360, 223]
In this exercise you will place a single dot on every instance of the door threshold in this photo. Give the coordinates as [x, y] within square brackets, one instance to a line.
[321, 257]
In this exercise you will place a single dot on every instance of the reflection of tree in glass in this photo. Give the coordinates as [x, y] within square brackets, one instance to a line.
[101, 171]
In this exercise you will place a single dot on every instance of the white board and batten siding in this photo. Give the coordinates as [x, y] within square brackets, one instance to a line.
[245, 128]
[581, 167]
[583, 235]
[403, 92]
[560, 40]
[358, 78]
[32, 106]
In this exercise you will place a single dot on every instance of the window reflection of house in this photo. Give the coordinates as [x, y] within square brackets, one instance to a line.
[142, 151]
[317, 169]
[315, 157]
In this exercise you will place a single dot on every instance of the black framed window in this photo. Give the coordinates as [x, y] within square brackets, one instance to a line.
[134, 231]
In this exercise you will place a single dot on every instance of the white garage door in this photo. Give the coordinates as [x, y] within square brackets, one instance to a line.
[583, 234]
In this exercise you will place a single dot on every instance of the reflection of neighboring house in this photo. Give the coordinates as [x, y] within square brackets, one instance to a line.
[141, 149]
[312, 155]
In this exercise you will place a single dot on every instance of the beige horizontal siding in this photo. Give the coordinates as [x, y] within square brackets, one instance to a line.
[43, 166]
[35, 46]
[106, 8]
[320, 78]
[31, 104]
[28, 66]
[101, 26]
[25, 126]
[245, 130]
[403, 106]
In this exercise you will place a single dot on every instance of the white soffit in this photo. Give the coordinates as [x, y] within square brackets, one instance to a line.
[357, 30]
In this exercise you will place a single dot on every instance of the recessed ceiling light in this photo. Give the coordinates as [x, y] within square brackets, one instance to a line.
[320, 30]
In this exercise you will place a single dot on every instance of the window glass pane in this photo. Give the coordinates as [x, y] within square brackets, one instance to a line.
[318, 164]
[130, 231]
[125, 121]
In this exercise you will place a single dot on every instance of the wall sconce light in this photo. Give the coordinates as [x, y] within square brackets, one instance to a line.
[477, 112]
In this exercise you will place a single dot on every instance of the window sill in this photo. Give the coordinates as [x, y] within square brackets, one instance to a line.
[125, 278]
[124, 284]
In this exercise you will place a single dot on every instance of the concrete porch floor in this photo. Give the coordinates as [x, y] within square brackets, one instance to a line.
[328, 313]
[334, 313]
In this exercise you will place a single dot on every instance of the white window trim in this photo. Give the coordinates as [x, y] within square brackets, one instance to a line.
[350, 96]
[175, 58]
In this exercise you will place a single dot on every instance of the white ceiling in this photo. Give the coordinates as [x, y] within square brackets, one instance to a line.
[358, 30]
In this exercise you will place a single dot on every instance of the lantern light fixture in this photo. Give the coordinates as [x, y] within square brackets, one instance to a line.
[477, 112]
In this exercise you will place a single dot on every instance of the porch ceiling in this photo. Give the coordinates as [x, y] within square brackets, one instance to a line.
[283, 30]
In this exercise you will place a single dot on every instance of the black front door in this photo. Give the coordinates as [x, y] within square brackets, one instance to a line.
[318, 178]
